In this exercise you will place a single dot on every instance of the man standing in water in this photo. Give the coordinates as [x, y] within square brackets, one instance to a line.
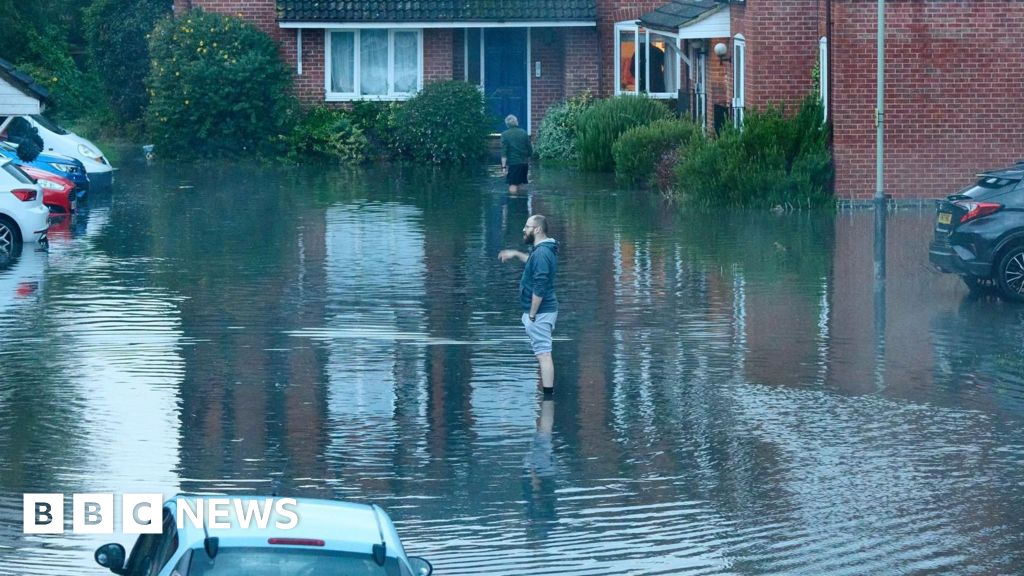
[515, 154]
[537, 292]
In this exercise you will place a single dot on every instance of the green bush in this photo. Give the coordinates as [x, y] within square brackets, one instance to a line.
[606, 120]
[378, 121]
[329, 135]
[216, 87]
[638, 150]
[445, 123]
[773, 161]
[116, 31]
[556, 138]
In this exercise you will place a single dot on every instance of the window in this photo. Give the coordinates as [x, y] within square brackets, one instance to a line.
[648, 62]
[739, 52]
[373, 64]
[823, 74]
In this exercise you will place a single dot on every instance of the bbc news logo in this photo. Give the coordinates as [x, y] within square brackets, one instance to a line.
[142, 513]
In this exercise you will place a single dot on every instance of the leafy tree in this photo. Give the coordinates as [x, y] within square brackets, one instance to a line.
[117, 32]
[217, 87]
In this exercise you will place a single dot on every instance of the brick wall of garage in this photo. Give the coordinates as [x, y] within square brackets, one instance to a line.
[781, 49]
[953, 97]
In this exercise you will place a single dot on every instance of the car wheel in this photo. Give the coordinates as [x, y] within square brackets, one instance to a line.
[9, 240]
[1010, 275]
[979, 285]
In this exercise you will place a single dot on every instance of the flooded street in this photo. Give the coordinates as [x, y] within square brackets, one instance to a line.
[730, 396]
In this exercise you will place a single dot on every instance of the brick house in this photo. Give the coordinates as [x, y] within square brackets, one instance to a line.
[950, 112]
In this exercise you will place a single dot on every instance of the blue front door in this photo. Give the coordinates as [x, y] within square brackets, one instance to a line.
[505, 71]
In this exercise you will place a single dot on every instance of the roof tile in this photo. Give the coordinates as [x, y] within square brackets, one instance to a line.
[437, 10]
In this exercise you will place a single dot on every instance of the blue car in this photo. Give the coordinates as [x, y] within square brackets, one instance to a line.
[230, 536]
[64, 166]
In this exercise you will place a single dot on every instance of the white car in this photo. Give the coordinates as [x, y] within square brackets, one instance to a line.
[61, 141]
[23, 217]
[317, 537]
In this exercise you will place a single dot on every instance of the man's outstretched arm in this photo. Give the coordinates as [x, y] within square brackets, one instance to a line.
[506, 255]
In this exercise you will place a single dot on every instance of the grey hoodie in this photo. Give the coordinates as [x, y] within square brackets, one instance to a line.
[539, 277]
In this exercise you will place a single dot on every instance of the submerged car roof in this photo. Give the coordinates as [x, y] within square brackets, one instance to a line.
[341, 525]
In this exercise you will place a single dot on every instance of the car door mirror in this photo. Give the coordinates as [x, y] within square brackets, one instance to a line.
[111, 557]
[420, 566]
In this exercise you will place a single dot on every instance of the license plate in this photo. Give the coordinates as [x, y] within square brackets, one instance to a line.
[945, 218]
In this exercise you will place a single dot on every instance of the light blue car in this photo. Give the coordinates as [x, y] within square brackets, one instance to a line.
[298, 537]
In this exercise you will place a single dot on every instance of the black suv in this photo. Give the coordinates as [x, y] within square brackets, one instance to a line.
[979, 233]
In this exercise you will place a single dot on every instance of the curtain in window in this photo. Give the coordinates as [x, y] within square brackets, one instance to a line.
[373, 62]
[627, 63]
[664, 75]
[343, 58]
[406, 62]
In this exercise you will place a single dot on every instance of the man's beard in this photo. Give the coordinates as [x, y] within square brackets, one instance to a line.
[528, 238]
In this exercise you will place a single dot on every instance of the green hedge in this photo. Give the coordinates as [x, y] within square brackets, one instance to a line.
[117, 32]
[774, 160]
[638, 150]
[379, 123]
[445, 123]
[217, 87]
[556, 137]
[605, 121]
[328, 135]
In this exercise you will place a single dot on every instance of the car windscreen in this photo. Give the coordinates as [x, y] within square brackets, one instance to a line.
[988, 186]
[281, 561]
[16, 172]
[48, 124]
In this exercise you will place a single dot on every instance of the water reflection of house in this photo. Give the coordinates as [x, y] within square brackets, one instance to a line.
[252, 400]
[375, 326]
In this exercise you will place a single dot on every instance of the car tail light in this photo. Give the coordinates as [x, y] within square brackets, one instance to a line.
[296, 541]
[24, 194]
[978, 209]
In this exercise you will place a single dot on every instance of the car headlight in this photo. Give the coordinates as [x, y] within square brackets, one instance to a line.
[63, 167]
[88, 152]
[49, 184]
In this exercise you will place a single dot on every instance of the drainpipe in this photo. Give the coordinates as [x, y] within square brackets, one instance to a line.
[828, 78]
[880, 109]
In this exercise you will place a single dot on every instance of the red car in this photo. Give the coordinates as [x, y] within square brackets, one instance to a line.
[58, 192]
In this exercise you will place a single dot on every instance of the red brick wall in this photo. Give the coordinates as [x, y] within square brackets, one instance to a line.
[438, 60]
[583, 71]
[547, 46]
[309, 86]
[953, 94]
[781, 48]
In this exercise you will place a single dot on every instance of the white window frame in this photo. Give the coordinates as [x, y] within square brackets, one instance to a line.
[823, 75]
[739, 88]
[635, 27]
[331, 96]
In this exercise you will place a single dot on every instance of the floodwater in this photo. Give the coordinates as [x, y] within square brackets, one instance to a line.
[734, 394]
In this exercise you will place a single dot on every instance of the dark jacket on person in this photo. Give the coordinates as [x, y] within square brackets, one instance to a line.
[515, 145]
[539, 277]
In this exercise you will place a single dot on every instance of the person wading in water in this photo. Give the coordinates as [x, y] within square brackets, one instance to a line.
[537, 292]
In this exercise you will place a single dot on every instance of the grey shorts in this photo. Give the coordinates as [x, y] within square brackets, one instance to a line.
[540, 331]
